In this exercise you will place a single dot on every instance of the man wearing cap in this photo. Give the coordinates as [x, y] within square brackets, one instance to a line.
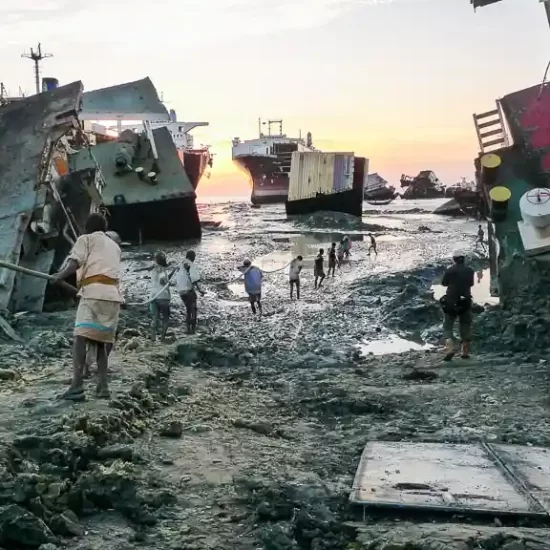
[457, 303]
[253, 277]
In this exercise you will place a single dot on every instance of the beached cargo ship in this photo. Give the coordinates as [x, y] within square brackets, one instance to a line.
[426, 185]
[266, 161]
[326, 181]
[378, 190]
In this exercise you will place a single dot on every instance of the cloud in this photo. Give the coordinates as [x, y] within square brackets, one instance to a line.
[167, 23]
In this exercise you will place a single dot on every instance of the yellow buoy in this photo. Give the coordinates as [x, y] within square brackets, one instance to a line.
[500, 194]
[491, 161]
[500, 197]
[490, 165]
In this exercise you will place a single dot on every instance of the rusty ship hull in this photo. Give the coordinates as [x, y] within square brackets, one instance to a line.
[269, 185]
[195, 162]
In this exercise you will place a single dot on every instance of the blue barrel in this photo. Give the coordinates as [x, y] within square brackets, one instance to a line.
[49, 84]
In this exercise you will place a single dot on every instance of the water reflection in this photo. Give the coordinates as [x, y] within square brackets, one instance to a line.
[392, 344]
[305, 245]
[481, 291]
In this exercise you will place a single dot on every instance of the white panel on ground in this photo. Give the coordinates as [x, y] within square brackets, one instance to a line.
[531, 465]
[436, 476]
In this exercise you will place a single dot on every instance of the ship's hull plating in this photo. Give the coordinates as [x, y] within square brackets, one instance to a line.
[269, 184]
[195, 163]
[348, 202]
[164, 220]
[380, 194]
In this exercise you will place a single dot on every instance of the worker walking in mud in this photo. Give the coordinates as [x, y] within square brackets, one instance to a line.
[159, 298]
[340, 253]
[372, 246]
[480, 240]
[253, 278]
[457, 303]
[91, 347]
[294, 271]
[332, 260]
[187, 285]
[95, 258]
[319, 269]
[346, 245]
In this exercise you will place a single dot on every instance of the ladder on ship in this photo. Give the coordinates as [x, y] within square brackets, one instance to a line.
[491, 133]
[284, 161]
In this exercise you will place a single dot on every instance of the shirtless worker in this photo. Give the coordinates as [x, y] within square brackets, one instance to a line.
[95, 258]
[457, 303]
[318, 270]
[253, 277]
[372, 246]
[480, 237]
[187, 283]
[346, 244]
[294, 271]
[332, 260]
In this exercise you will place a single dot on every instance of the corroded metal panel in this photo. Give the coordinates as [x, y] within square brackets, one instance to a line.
[528, 116]
[139, 98]
[530, 465]
[173, 181]
[28, 128]
[438, 476]
[311, 173]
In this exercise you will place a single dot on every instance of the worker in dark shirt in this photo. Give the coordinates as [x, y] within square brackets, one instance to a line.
[332, 261]
[457, 303]
[319, 270]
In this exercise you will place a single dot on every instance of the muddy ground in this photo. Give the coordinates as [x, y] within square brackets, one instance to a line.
[248, 435]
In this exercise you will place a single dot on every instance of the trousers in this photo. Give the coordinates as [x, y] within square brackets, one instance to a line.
[464, 325]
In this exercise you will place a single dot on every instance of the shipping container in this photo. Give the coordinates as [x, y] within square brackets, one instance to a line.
[316, 172]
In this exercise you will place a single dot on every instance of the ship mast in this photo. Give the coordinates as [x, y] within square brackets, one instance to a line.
[279, 122]
[37, 56]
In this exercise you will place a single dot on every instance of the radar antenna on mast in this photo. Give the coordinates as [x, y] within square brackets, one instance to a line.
[37, 56]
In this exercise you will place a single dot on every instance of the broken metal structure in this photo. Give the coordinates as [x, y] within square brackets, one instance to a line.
[482, 3]
[148, 193]
[512, 173]
[43, 206]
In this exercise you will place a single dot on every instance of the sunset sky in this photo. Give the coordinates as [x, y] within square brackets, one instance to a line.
[394, 80]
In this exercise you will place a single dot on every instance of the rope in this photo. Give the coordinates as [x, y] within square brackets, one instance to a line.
[150, 300]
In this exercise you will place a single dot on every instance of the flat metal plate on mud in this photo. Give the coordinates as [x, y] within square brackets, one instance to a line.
[440, 477]
[531, 466]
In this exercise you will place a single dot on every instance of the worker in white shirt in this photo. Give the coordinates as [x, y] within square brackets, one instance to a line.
[294, 276]
[187, 283]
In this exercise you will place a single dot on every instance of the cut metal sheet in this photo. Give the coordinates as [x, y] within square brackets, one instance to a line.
[531, 466]
[436, 476]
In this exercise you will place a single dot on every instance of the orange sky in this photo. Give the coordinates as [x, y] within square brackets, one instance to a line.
[396, 81]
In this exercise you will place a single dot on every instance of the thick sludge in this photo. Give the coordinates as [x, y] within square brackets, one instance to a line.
[248, 434]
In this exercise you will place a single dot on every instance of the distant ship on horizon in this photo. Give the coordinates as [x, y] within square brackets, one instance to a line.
[266, 161]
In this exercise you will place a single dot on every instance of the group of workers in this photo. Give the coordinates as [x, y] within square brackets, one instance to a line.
[95, 259]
